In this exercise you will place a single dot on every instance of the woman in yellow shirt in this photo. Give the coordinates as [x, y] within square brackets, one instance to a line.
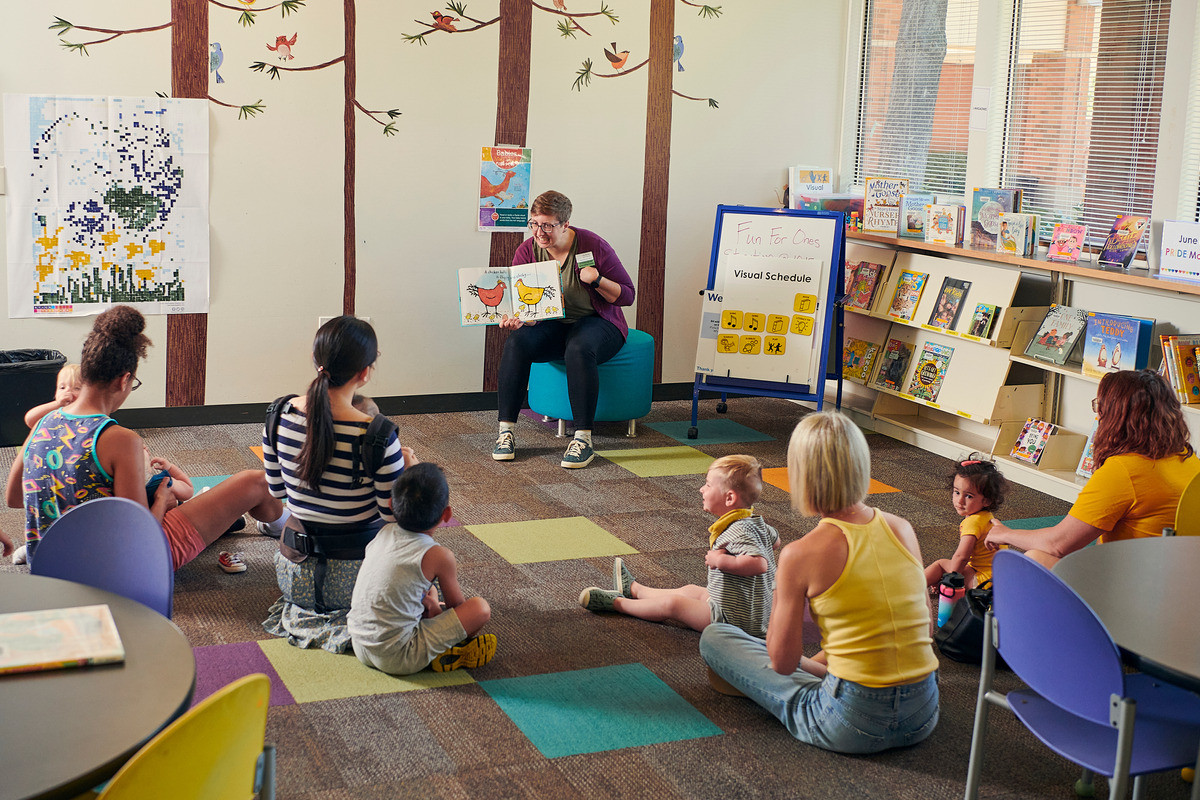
[1143, 462]
[859, 571]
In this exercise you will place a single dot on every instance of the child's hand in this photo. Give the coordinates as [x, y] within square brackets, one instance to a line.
[433, 606]
[157, 464]
[713, 558]
[410, 458]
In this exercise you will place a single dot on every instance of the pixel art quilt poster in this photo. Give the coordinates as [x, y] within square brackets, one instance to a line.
[107, 203]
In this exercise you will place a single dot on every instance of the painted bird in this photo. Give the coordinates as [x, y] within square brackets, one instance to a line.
[489, 297]
[215, 58]
[532, 295]
[677, 52]
[560, 5]
[616, 59]
[443, 22]
[283, 46]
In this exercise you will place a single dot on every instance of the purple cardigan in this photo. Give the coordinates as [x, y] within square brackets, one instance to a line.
[609, 267]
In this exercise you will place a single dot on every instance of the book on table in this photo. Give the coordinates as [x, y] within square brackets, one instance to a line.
[912, 214]
[1113, 342]
[930, 371]
[1057, 335]
[986, 207]
[1032, 441]
[881, 204]
[1066, 243]
[861, 283]
[528, 292]
[983, 319]
[893, 368]
[1123, 240]
[57, 638]
[858, 356]
[909, 287]
[949, 303]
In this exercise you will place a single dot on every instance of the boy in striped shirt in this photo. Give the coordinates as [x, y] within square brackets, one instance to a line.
[741, 562]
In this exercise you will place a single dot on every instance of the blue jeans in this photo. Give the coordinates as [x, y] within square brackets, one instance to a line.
[828, 712]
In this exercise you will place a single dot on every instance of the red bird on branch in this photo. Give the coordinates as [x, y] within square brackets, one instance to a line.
[443, 22]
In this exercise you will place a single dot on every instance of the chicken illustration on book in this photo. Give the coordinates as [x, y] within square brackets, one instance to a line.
[489, 287]
[489, 297]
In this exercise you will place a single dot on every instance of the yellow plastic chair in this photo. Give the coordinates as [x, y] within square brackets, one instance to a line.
[212, 752]
[1187, 516]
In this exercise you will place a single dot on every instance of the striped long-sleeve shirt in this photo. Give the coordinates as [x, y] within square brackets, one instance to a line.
[336, 500]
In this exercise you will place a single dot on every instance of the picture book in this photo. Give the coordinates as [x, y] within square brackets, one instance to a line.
[58, 638]
[893, 368]
[1066, 243]
[944, 223]
[857, 359]
[983, 319]
[930, 371]
[1018, 234]
[1122, 243]
[527, 292]
[1032, 441]
[912, 214]
[1169, 368]
[1183, 349]
[1112, 342]
[1061, 328]
[1180, 254]
[881, 204]
[860, 289]
[907, 294]
[986, 207]
[949, 303]
[1087, 461]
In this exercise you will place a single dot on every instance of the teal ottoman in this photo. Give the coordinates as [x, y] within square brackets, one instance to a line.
[626, 381]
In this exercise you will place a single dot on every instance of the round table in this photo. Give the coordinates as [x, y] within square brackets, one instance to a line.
[67, 730]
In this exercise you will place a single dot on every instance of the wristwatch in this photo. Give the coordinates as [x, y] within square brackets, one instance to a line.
[596, 283]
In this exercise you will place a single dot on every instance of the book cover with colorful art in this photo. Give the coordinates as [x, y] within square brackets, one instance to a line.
[1122, 243]
[912, 214]
[949, 303]
[930, 371]
[1113, 342]
[1183, 350]
[1056, 337]
[944, 223]
[57, 638]
[861, 285]
[893, 367]
[1032, 441]
[528, 292]
[983, 319]
[986, 207]
[1066, 243]
[881, 204]
[908, 294]
[1018, 234]
[1087, 460]
[858, 357]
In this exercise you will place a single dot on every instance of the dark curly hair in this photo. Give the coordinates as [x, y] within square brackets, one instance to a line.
[989, 482]
[1139, 413]
[114, 346]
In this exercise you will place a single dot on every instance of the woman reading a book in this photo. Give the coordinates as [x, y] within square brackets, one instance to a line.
[593, 329]
[1143, 462]
[82, 447]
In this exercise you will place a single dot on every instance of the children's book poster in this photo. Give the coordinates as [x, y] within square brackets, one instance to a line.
[528, 292]
[931, 371]
[504, 189]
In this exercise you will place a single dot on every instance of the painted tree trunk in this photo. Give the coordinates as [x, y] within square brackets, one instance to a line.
[350, 267]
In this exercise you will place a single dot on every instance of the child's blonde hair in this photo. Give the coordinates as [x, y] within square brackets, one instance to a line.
[72, 373]
[829, 465]
[741, 474]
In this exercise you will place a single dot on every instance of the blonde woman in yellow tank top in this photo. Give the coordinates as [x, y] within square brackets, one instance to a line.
[859, 571]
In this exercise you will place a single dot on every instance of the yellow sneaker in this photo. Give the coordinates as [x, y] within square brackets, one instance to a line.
[474, 652]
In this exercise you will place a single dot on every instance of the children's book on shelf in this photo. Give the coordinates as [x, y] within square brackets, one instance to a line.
[1032, 441]
[1056, 337]
[983, 319]
[1066, 243]
[1018, 234]
[930, 371]
[1169, 368]
[1122, 243]
[860, 289]
[949, 303]
[986, 207]
[1183, 354]
[1180, 253]
[1113, 342]
[907, 294]
[893, 368]
[858, 357]
[1087, 461]
[881, 204]
[528, 292]
[912, 214]
[57, 638]
[944, 223]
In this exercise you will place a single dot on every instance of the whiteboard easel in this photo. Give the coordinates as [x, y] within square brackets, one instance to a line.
[769, 306]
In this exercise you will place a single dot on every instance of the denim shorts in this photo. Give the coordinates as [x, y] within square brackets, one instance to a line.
[829, 712]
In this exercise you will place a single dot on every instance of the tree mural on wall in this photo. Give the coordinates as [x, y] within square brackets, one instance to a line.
[351, 107]
[192, 59]
[515, 25]
[663, 60]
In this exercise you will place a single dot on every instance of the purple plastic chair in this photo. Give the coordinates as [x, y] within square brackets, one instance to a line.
[1081, 705]
[114, 544]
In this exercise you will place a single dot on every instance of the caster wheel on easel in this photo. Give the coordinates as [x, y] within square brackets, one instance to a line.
[722, 408]
[693, 433]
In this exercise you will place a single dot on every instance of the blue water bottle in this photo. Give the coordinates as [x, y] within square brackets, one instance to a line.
[950, 588]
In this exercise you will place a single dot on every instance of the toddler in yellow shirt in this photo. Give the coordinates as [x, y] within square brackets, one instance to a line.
[977, 490]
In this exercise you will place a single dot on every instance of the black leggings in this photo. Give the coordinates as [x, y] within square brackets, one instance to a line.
[583, 345]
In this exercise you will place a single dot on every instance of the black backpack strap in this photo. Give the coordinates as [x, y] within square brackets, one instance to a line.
[274, 414]
[372, 449]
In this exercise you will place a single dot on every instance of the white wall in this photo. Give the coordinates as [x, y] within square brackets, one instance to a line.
[276, 180]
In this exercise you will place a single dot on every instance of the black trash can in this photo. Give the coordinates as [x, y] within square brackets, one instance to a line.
[28, 378]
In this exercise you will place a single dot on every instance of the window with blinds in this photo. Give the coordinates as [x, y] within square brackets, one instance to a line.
[1084, 100]
[915, 92]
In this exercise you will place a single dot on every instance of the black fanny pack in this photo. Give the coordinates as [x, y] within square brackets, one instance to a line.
[337, 542]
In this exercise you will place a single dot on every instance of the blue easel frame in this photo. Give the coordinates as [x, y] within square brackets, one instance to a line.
[833, 319]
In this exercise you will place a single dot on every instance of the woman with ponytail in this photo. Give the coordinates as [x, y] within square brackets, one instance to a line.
[314, 453]
[80, 445]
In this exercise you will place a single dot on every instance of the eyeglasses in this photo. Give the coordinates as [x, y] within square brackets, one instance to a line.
[545, 227]
[137, 384]
[1095, 405]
